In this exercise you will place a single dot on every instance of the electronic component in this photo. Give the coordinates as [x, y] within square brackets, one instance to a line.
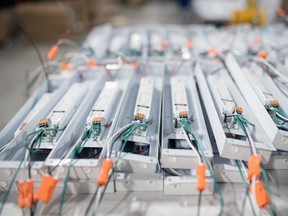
[226, 105]
[231, 140]
[143, 105]
[144, 99]
[117, 43]
[177, 42]
[179, 101]
[102, 109]
[135, 44]
[157, 44]
[60, 116]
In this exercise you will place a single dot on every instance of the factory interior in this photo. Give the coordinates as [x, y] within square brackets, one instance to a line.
[143, 107]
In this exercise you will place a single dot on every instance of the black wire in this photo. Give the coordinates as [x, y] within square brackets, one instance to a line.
[199, 203]
[91, 201]
[39, 56]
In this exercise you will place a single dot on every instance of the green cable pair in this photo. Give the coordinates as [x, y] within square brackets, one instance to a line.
[187, 128]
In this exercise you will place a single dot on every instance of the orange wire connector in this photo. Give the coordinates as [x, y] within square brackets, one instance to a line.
[212, 52]
[92, 63]
[139, 116]
[238, 109]
[189, 43]
[52, 52]
[262, 54]
[46, 189]
[102, 179]
[96, 120]
[280, 12]
[65, 66]
[253, 167]
[201, 179]
[25, 193]
[183, 114]
[261, 195]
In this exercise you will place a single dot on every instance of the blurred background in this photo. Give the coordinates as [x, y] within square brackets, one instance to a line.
[25, 24]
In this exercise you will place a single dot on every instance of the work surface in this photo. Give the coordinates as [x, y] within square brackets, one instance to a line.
[156, 203]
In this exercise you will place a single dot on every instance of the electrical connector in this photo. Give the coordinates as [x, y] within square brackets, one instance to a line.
[212, 52]
[102, 179]
[261, 195]
[46, 189]
[273, 103]
[238, 109]
[52, 52]
[280, 12]
[164, 44]
[253, 167]
[96, 120]
[201, 179]
[262, 54]
[139, 116]
[25, 193]
[65, 66]
[43, 122]
[183, 114]
[92, 63]
[188, 43]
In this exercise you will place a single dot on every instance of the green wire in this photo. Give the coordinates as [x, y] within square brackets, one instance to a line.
[66, 181]
[240, 120]
[266, 183]
[130, 131]
[187, 128]
[246, 185]
[5, 197]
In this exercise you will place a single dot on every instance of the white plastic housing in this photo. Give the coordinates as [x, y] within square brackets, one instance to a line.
[104, 104]
[177, 40]
[144, 97]
[179, 96]
[156, 40]
[135, 42]
[117, 43]
[41, 103]
[224, 98]
[64, 110]
[263, 93]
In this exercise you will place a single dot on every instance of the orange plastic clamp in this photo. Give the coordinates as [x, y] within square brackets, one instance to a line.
[92, 63]
[274, 103]
[262, 54]
[238, 109]
[96, 120]
[188, 43]
[134, 64]
[212, 52]
[52, 52]
[183, 114]
[253, 167]
[280, 12]
[102, 179]
[65, 66]
[164, 44]
[25, 193]
[257, 40]
[46, 189]
[201, 179]
[139, 116]
[262, 198]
